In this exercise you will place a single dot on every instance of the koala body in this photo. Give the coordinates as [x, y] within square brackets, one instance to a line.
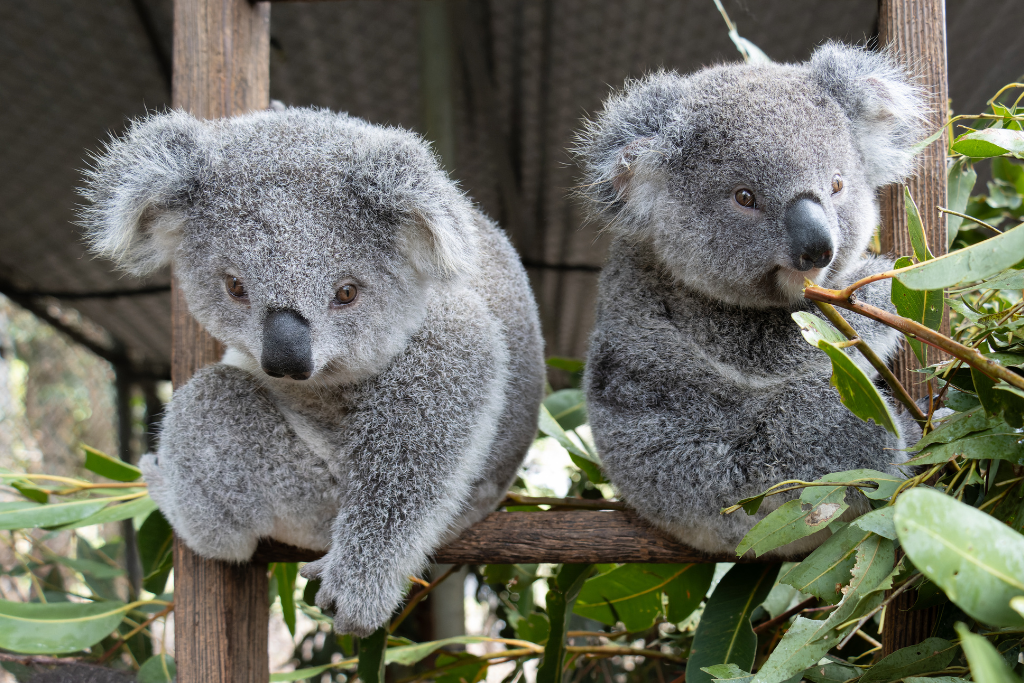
[384, 364]
[724, 190]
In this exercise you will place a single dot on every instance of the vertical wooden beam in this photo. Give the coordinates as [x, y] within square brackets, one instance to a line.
[221, 67]
[917, 30]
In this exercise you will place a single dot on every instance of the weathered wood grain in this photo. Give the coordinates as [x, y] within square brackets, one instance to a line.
[917, 30]
[556, 536]
[221, 68]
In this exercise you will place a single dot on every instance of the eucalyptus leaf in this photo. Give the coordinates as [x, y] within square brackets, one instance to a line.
[961, 179]
[792, 521]
[568, 407]
[830, 673]
[997, 443]
[989, 142]
[924, 306]
[829, 567]
[54, 514]
[157, 669]
[931, 654]
[561, 598]
[632, 593]
[535, 628]
[285, 572]
[371, 656]
[956, 427]
[115, 513]
[724, 634]
[549, 426]
[99, 570]
[918, 237]
[856, 390]
[970, 264]
[879, 521]
[976, 560]
[728, 672]
[56, 627]
[987, 665]
[156, 543]
[111, 468]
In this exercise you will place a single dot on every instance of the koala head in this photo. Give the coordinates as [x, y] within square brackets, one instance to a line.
[308, 242]
[748, 178]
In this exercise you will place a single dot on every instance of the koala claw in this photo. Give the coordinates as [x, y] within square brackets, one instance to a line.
[359, 610]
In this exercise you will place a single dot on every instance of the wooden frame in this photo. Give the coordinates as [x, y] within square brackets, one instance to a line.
[221, 68]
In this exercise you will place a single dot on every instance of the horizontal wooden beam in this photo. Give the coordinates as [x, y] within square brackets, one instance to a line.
[555, 536]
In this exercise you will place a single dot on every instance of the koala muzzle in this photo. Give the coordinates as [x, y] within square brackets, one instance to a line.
[287, 345]
[810, 241]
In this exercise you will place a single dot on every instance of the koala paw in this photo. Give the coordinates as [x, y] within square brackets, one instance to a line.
[360, 603]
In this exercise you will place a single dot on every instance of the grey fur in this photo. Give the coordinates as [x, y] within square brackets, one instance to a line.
[425, 390]
[700, 389]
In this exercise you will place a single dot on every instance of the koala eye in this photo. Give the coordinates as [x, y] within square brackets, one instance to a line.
[745, 197]
[346, 294]
[837, 183]
[236, 288]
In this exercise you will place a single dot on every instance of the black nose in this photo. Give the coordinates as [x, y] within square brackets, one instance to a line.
[810, 241]
[287, 347]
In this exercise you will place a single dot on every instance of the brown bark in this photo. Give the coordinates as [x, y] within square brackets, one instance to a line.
[221, 68]
[917, 30]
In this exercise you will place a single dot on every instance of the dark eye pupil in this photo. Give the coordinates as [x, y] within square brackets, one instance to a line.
[745, 197]
[235, 287]
[837, 183]
[345, 294]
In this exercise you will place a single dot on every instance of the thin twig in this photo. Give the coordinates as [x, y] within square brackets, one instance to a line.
[415, 600]
[898, 390]
[772, 623]
[970, 356]
[566, 503]
[863, 620]
[126, 637]
[970, 218]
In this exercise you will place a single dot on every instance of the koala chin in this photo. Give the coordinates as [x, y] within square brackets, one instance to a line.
[384, 364]
[724, 189]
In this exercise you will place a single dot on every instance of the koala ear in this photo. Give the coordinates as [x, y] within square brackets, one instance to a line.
[441, 241]
[619, 150]
[138, 188]
[886, 109]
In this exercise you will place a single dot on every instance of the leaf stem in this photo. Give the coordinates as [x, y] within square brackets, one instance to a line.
[936, 339]
[772, 623]
[126, 637]
[863, 620]
[898, 390]
[416, 599]
[970, 218]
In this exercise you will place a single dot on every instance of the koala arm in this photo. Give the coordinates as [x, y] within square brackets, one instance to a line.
[416, 442]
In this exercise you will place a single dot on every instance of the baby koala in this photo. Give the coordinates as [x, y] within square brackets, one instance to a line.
[724, 189]
[384, 367]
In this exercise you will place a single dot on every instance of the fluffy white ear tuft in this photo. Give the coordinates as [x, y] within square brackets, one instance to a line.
[441, 242]
[138, 189]
[887, 110]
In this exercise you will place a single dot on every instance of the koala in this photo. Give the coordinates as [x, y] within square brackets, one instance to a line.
[723, 190]
[383, 369]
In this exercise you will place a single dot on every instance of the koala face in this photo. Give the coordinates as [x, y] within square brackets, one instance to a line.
[750, 178]
[309, 243]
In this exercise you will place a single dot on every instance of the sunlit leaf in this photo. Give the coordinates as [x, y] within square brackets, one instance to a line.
[724, 634]
[829, 567]
[976, 560]
[111, 468]
[568, 407]
[987, 665]
[856, 390]
[793, 520]
[55, 514]
[923, 306]
[878, 521]
[976, 262]
[729, 673]
[990, 142]
[116, 513]
[956, 427]
[549, 426]
[56, 627]
[998, 443]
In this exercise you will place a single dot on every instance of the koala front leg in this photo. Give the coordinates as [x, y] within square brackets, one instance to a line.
[221, 442]
[418, 441]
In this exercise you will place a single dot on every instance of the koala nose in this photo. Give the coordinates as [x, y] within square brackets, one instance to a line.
[809, 238]
[287, 346]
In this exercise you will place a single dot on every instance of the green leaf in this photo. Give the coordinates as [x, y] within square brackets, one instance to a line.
[115, 513]
[728, 672]
[919, 147]
[565, 588]
[918, 237]
[632, 593]
[111, 468]
[924, 307]
[829, 566]
[987, 665]
[535, 628]
[157, 669]
[724, 635]
[879, 521]
[961, 179]
[814, 329]
[795, 519]
[956, 427]
[156, 545]
[568, 407]
[802, 646]
[830, 673]
[472, 671]
[571, 365]
[31, 491]
[56, 627]
[856, 390]
[932, 654]
[999, 399]
[549, 426]
[997, 444]
[970, 264]
[99, 570]
[977, 561]
[990, 142]
[285, 572]
[55, 514]
[371, 656]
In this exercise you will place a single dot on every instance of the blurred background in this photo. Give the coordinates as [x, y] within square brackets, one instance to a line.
[499, 87]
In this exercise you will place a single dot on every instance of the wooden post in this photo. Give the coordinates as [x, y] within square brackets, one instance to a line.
[221, 68]
[917, 30]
